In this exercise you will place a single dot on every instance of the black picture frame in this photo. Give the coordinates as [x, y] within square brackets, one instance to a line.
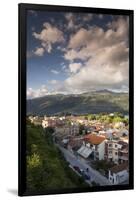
[22, 8]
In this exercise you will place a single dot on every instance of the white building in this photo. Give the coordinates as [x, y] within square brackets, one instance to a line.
[119, 174]
[112, 151]
[93, 145]
[48, 123]
[36, 120]
[119, 125]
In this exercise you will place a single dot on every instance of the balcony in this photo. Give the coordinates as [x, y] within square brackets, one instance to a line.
[110, 156]
[123, 158]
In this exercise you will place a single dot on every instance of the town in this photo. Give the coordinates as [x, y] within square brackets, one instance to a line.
[94, 145]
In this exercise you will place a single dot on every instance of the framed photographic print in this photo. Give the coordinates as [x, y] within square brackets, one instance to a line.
[75, 99]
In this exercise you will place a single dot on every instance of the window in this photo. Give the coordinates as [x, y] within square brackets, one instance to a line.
[110, 145]
[116, 153]
[115, 145]
[110, 152]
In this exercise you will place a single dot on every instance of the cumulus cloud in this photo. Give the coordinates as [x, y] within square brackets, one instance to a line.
[96, 57]
[39, 51]
[49, 36]
[96, 37]
[105, 54]
[76, 20]
[47, 46]
[54, 71]
[34, 93]
[75, 67]
[99, 77]
[73, 54]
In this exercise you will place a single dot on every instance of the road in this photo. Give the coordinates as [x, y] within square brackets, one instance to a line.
[76, 161]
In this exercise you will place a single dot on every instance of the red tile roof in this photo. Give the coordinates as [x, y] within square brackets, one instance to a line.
[119, 168]
[94, 139]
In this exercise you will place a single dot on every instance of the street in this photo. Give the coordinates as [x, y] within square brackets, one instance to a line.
[77, 161]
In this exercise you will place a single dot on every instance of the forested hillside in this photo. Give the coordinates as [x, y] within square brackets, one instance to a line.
[46, 168]
[93, 102]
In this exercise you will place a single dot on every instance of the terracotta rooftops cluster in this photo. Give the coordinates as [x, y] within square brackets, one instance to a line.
[94, 139]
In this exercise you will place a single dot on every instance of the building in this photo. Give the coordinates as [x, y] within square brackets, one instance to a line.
[119, 125]
[74, 129]
[31, 118]
[52, 122]
[67, 130]
[111, 151]
[93, 146]
[123, 153]
[36, 120]
[74, 144]
[125, 139]
[119, 174]
[116, 151]
[48, 123]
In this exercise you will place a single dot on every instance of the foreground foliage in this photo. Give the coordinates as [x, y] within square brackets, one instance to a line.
[46, 167]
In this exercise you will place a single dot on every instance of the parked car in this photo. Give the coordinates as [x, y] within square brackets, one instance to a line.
[85, 176]
[76, 168]
[81, 171]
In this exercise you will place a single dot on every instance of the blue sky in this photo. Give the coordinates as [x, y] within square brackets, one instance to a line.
[75, 53]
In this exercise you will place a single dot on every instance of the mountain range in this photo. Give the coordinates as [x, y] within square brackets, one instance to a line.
[85, 103]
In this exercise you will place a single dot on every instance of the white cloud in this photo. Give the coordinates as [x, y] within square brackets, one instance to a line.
[73, 54]
[47, 46]
[75, 67]
[74, 21]
[91, 77]
[105, 54]
[39, 51]
[65, 69]
[54, 71]
[49, 36]
[95, 37]
[53, 82]
[79, 39]
[34, 93]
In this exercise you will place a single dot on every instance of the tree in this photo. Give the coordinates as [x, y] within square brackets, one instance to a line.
[91, 117]
[81, 129]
